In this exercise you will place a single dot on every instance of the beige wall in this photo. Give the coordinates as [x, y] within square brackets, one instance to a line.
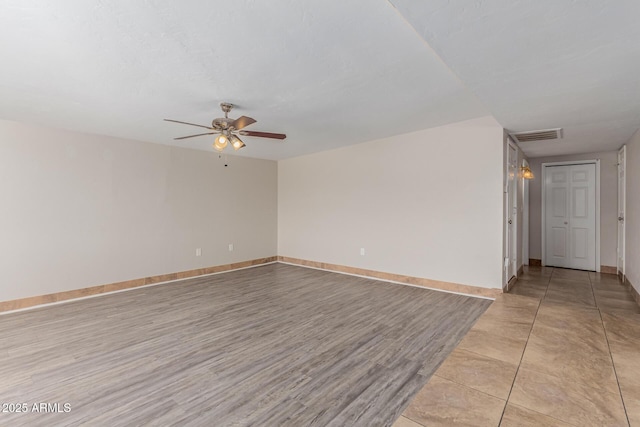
[608, 203]
[425, 204]
[632, 214]
[79, 210]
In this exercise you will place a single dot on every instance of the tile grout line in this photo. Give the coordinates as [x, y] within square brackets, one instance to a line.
[481, 355]
[600, 313]
[411, 419]
[615, 372]
[466, 386]
[613, 364]
[455, 382]
[525, 349]
[469, 387]
[595, 301]
[546, 290]
[547, 416]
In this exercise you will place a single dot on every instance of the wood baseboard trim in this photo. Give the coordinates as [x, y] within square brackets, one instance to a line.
[437, 285]
[533, 262]
[607, 269]
[30, 302]
[634, 292]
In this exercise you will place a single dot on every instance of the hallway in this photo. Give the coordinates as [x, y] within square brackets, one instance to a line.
[559, 350]
[576, 288]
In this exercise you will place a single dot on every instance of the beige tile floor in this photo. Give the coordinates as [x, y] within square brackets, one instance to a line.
[560, 350]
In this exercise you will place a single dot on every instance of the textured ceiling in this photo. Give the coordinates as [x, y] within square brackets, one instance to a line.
[543, 64]
[327, 74]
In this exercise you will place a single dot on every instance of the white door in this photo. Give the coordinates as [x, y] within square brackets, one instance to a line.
[570, 216]
[621, 206]
[511, 211]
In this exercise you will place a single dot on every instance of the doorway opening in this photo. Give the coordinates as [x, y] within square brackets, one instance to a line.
[622, 180]
[510, 245]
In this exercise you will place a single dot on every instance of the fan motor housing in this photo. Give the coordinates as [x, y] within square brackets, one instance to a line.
[222, 123]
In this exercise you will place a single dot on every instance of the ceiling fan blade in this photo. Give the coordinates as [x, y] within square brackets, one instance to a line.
[200, 134]
[263, 134]
[242, 122]
[190, 124]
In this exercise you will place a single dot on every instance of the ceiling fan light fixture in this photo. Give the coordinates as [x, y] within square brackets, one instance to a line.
[227, 130]
[236, 142]
[220, 142]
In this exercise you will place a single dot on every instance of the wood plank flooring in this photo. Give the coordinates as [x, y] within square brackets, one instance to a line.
[268, 346]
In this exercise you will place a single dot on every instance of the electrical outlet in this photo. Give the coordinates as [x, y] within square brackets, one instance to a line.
[362, 251]
[230, 247]
[198, 251]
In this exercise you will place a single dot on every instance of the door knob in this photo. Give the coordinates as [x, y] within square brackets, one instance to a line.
[510, 221]
[620, 218]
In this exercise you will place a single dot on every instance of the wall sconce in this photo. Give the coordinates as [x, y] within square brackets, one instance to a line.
[526, 173]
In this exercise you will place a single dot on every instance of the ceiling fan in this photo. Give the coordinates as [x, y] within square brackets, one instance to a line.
[228, 130]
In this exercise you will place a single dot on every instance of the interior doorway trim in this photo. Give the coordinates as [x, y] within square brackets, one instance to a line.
[525, 217]
[543, 215]
[622, 209]
[511, 205]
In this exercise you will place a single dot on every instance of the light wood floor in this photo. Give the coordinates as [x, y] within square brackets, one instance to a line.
[269, 346]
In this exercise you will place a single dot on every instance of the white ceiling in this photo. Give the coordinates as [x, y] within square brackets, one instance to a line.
[543, 64]
[326, 73]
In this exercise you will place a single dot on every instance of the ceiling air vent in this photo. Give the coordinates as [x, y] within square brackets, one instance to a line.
[537, 135]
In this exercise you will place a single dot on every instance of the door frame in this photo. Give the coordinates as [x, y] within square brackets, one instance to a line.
[525, 217]
[621, 246]
[543, 212]
[510, 240]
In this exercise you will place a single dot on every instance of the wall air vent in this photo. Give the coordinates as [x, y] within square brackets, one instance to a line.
[537, 135]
